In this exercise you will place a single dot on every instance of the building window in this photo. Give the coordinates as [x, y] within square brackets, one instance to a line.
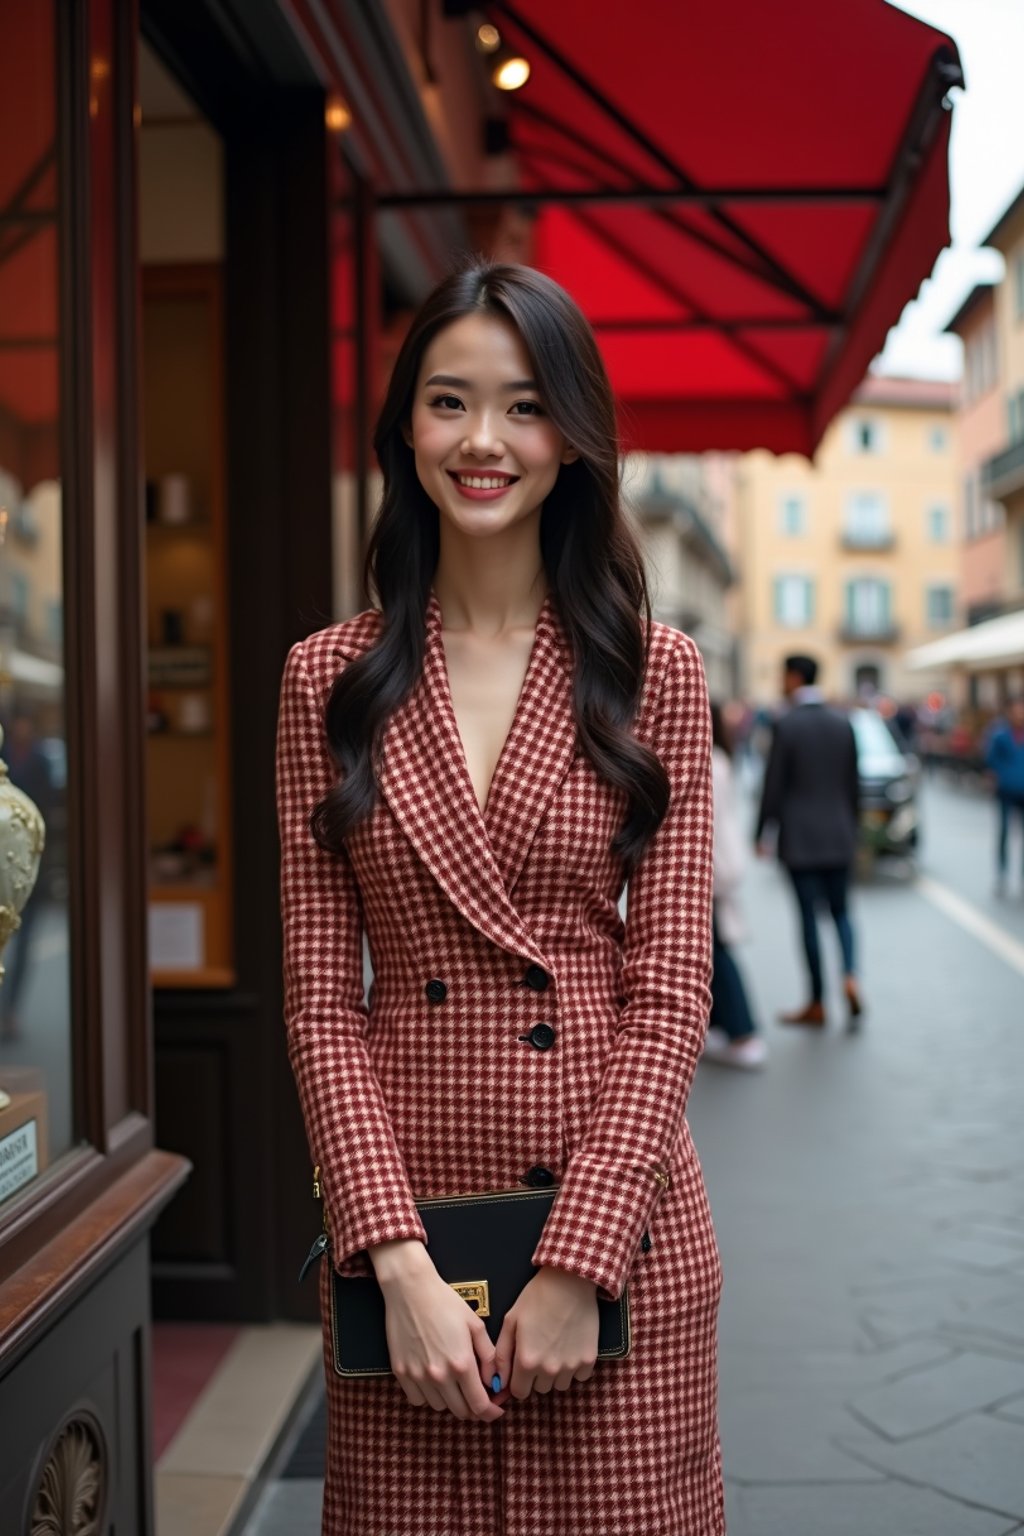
[1015, 416]
[993, 516]
[990, 342]
[794, 601]
[792, 514]
[972, 368]
[868, 607]
[865, 435]
[970, 507]
[867, 520]
[939, 522]
[1018, 284]
[939, 601]
[938, 439]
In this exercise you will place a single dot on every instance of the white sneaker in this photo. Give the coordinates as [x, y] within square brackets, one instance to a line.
[749, 1054]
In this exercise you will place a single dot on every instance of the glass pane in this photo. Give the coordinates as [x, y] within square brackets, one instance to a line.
[188, 766]
[35, 1008]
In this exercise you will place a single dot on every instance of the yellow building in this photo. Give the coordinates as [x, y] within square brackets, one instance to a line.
[983, 664]
[1004, 472]
[852, 557]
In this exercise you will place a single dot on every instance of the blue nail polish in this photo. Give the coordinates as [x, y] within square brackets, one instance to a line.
[495, 1383]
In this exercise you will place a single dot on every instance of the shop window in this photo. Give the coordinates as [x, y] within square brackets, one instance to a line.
[36, 1122]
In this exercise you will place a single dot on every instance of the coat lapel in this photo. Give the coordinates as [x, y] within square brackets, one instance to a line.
[538, 753]
[426, 783]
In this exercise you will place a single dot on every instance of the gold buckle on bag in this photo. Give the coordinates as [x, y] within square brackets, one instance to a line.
[477, 1293]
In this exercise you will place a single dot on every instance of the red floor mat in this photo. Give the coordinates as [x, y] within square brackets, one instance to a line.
[185, 1356]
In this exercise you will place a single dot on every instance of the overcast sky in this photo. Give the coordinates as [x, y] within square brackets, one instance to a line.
[986, 172]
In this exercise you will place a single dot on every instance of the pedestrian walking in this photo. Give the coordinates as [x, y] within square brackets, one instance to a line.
[732, 1038]
[1004, 758]
[472, 772]
[811, 794]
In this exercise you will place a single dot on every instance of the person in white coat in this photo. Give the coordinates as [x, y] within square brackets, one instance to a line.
[732, 1038]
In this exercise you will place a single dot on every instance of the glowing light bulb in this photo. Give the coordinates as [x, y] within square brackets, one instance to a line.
[337, 115]
[512, 73]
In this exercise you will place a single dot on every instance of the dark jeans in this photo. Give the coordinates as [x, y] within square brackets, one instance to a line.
[1007, 805]
[830, 886]
[730, 1010]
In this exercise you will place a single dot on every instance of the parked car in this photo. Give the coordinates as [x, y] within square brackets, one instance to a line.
[890, 778]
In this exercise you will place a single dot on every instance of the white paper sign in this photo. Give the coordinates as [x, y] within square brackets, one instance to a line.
[176, 940]
[19, 1160]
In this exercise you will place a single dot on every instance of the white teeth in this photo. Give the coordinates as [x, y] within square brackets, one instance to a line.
[483, 482]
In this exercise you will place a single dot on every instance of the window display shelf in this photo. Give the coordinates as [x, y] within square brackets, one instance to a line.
[191, 941]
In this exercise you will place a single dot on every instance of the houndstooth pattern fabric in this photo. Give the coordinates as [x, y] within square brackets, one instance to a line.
[405, 1097]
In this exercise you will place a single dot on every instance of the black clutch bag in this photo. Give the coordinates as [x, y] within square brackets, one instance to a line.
[483, 1246]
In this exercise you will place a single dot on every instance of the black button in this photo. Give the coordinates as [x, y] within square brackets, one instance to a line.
[536, 978]
[542, 1036]
[645, 1243]
[436, 991]
[539, 1177]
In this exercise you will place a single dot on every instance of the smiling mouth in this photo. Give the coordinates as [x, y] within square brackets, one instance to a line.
[483, 482]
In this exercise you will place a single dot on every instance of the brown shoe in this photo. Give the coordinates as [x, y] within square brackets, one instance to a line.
[813, 1015]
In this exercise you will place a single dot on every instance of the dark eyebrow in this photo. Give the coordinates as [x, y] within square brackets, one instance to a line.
[451, 382]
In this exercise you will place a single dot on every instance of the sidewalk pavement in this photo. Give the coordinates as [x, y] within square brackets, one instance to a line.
[868, 1198]
[870, 1210]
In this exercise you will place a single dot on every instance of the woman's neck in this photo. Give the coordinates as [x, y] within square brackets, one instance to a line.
[490, 590]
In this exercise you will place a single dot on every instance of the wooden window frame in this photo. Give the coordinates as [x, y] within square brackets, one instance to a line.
[111, 1178]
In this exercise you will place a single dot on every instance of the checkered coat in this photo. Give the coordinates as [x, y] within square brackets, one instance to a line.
[408, 1093]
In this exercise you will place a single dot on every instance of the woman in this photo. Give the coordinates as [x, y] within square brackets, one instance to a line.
[485, 760]
[732, 1038]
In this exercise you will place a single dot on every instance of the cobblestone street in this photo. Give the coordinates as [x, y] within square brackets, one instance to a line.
[868, 1197]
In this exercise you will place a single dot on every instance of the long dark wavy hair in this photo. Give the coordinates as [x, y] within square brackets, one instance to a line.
[591, 559]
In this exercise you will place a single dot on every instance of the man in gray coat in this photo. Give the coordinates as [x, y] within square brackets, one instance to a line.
[811, 791]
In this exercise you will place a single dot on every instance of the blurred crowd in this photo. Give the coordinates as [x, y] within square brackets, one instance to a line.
[838, 784]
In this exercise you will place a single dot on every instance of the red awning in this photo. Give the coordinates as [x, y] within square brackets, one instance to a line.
[743, 196]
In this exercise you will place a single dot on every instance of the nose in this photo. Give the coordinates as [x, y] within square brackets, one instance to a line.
[482, 439]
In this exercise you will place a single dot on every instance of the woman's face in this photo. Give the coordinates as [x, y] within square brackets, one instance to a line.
[487, 453]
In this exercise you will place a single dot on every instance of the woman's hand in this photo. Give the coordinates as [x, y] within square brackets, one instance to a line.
[440, 1351]
[549, 1336]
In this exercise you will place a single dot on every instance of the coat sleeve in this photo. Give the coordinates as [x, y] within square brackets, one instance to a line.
[365, 1185]
[771, 791]
[615, 1176]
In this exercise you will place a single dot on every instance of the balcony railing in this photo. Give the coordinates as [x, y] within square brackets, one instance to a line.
[862, 543]
[1004, 472]
[865, 632]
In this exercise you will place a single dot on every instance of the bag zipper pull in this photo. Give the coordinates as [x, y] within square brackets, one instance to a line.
[317, 1251]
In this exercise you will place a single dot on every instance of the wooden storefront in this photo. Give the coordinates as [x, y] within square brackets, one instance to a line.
[190, 291]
